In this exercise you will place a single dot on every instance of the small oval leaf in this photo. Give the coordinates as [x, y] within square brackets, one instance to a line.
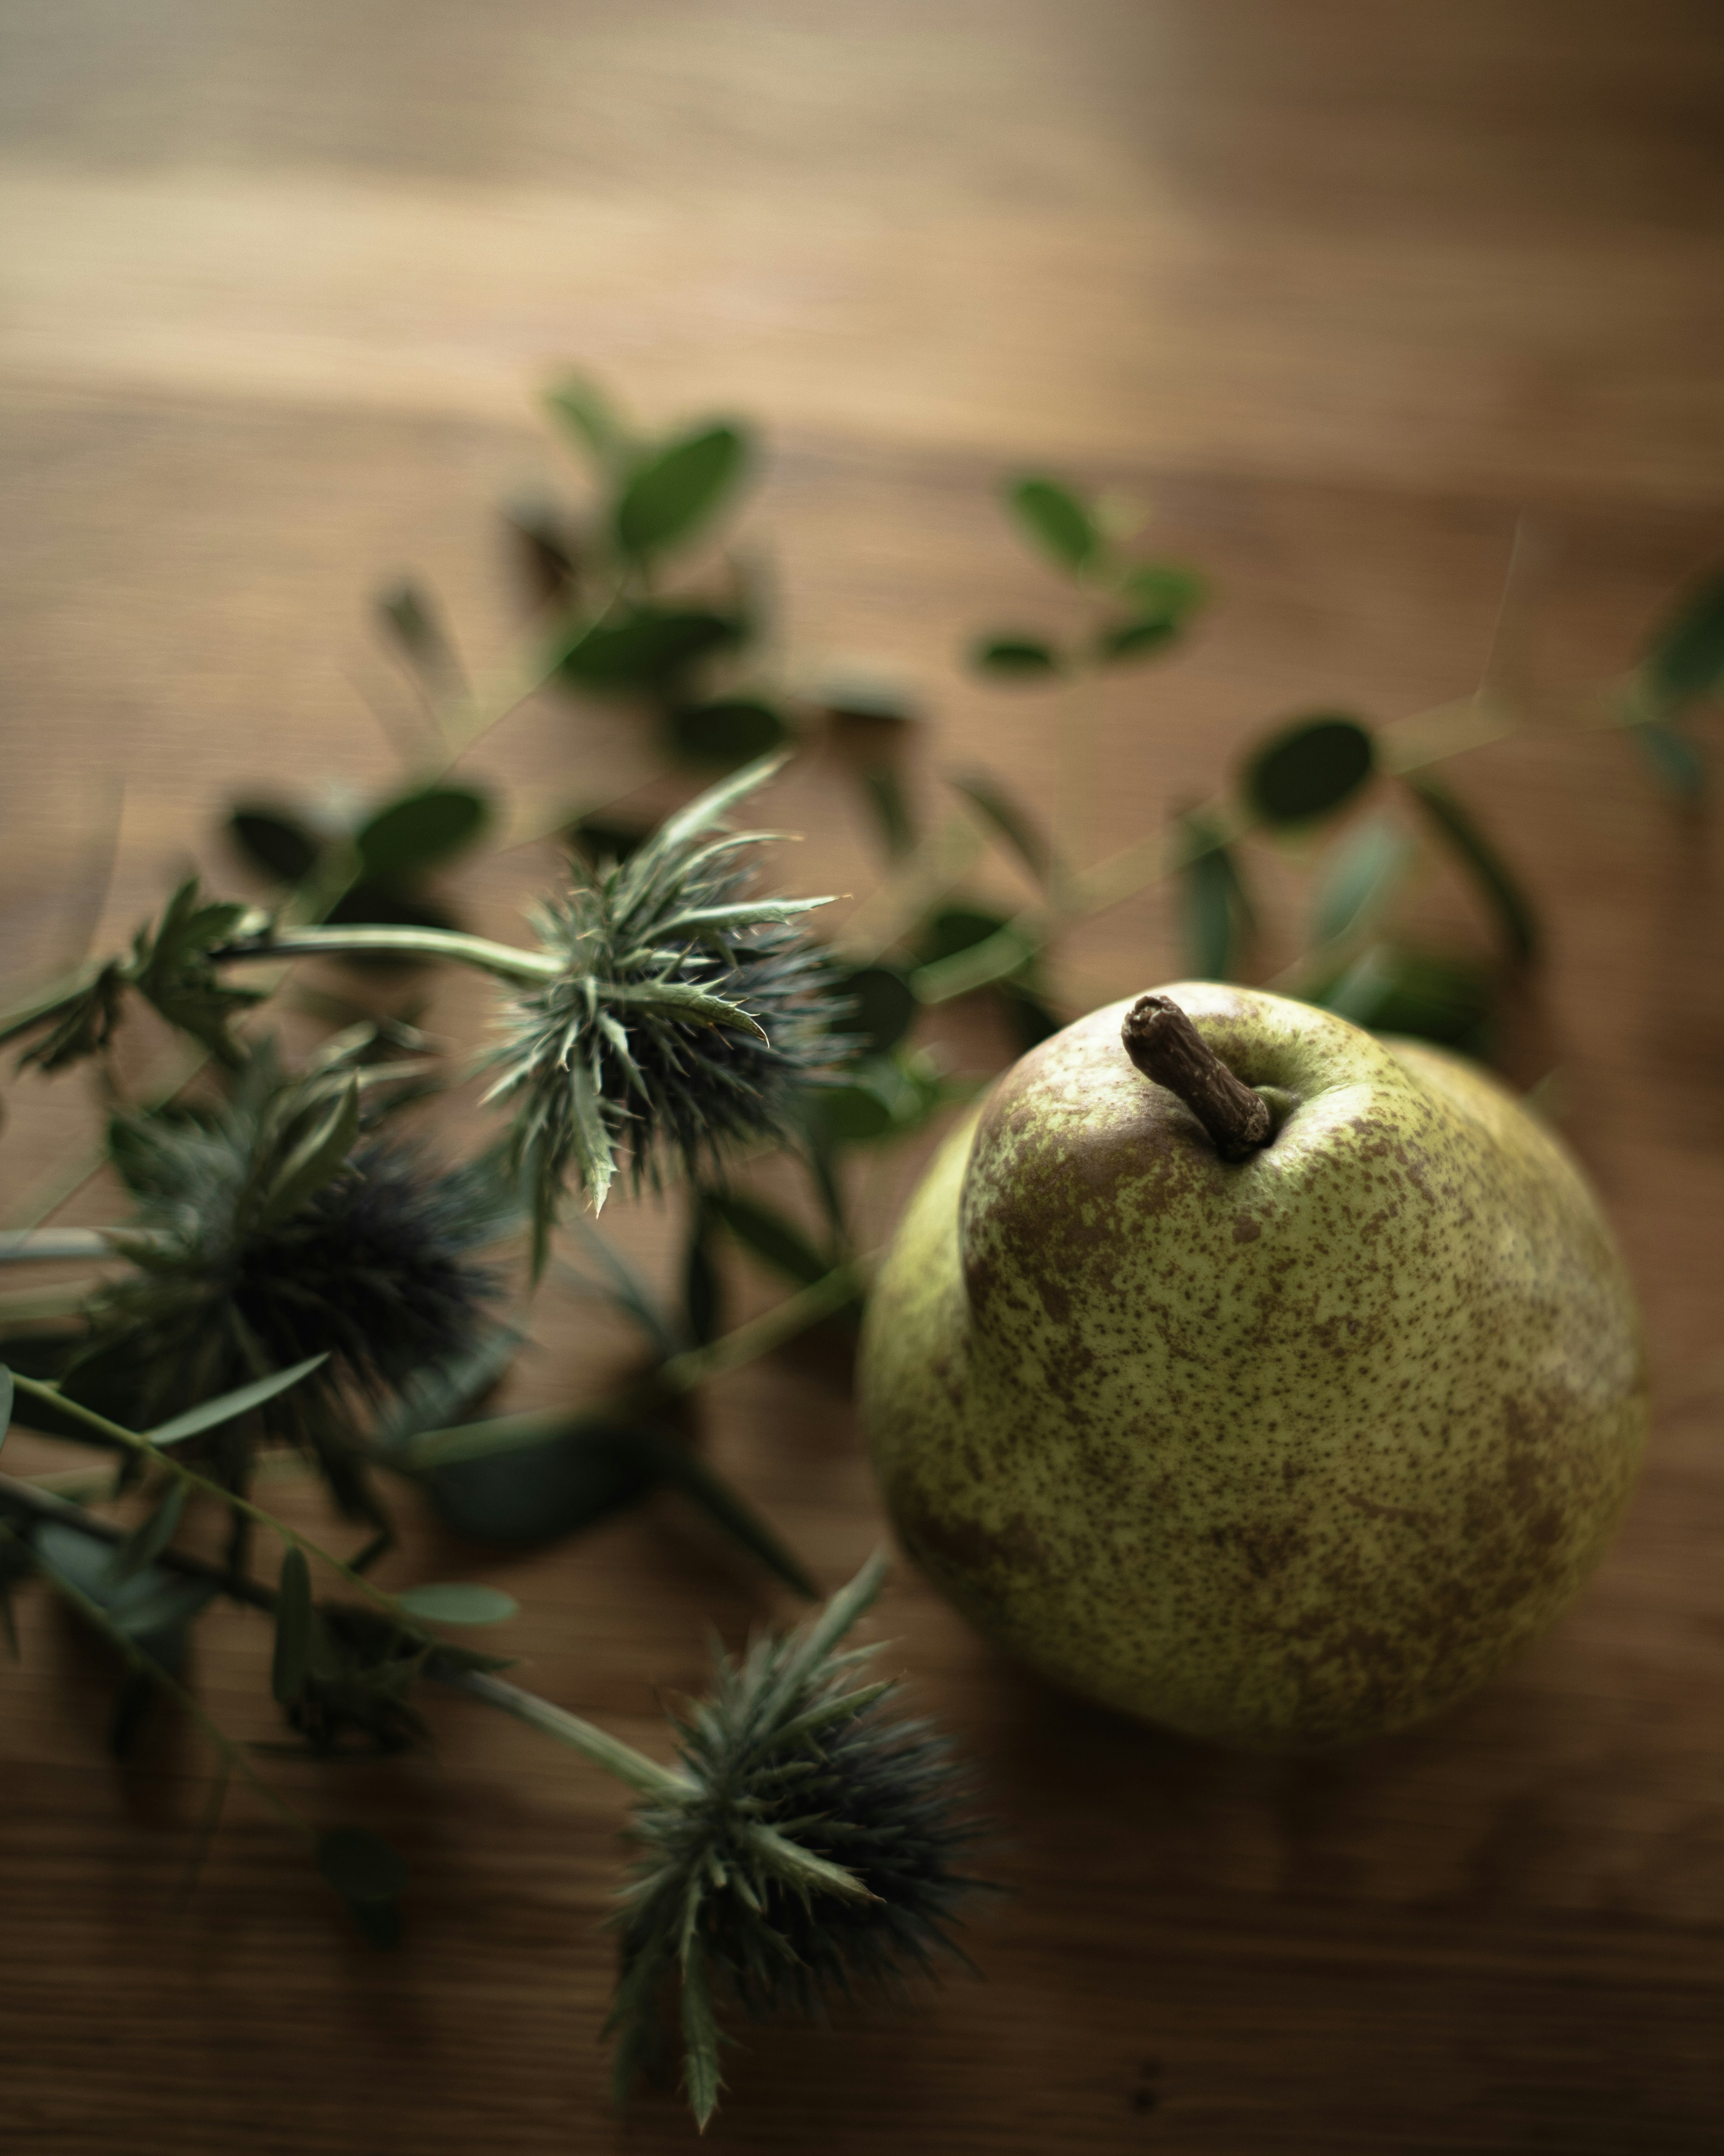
[1024, 658]
[275, 842]
[647, 648]
[1686, 660]
[414, 833]
[731, 730]
[678, 489]
[458, 1602]
[882, 1008]
[1309, 768]
[359, 1865]
[1359, 875]
[1056, 519]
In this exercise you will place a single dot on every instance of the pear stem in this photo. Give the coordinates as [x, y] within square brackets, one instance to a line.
[1166, 1046]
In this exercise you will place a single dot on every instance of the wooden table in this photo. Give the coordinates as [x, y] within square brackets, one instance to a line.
[1344, 293]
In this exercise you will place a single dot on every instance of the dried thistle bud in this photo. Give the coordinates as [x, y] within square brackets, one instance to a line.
[680, 1014]
[278, 1226]
[807, 1849]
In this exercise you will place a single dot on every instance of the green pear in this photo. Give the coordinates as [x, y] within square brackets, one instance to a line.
[1282, 1450]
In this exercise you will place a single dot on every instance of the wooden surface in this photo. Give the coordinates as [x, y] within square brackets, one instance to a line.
[1342, 291]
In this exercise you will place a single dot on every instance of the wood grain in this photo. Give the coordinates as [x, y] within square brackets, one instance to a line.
[1347, 294]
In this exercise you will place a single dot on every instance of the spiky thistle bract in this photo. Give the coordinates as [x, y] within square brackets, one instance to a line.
[805, 1850]
[680, 1018]
[276, 1225]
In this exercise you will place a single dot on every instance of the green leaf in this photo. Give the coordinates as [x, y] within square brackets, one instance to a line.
[275, 842]
[152, 1607]
[410, 618]
[883, 1006]
[1360, 874]
[1009, 820]
[152, 1535]
[359, 1865]
[647, 648]
[439, 1393]
[1167, 590]
[420, 830]
[5, 1395]
[584, 412]
[1686, 658]
[1677, 763]
[730, 729]
[295, 1618]
[955, 928]
[701, 2079]
[775, 1241]
[211, 1413]
[1213, 905]
[1390, 989]
[676, 492]
[1117, 641]
[531, 1494]
[1496, 882]
[891, 811]
[317, 1159]
[1023, 658]
[1309, 768]
[702, 1288]
[1056, 521]
[458, 1602]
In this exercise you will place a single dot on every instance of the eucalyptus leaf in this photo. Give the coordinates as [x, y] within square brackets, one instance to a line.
[152, 1607]
[1309, 768]
[674, 492]
[317, 1159]
[702, 1288]
[1210, 893]
[421, 830]
[587, 415]
[1009, 820]
[649, 648]
[531, 1494]
[882, 1007]
[1165, 591]
[1057, 521]
[1686, 658]
[1676, 762]
[954, 928]
[1360, 874]
[361, 1865]
[441, 1393]
[1117, 641]
[1015, 655]
[891, 811]
[410, 617]
[290, 1663]
[209, 1415]
[458, 1602]
[730, 730]
[152, 1535]
[1496, 881]
[1390, 989]
[773, 1239]
[274, 841]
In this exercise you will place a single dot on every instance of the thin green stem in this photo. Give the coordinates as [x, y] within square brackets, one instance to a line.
[591, 1742]
[505, 960]
[130, 1441]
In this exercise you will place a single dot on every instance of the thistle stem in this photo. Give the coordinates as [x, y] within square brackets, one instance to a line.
[1166, 1046]
[505, 960]
[31, 1246]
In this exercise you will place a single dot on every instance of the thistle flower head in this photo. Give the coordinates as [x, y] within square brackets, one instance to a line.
[680, 1016]
[278, 1226]
[809, 1853]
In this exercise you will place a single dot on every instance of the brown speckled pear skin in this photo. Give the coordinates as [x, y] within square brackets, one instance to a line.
[1286, 1454]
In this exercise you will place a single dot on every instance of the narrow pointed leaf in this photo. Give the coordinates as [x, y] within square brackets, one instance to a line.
[1056, 521]
[776, 1241]
[1014, 655]
[212, 1413]
[291, 1661]
[152, 1534]
[1496, 882]
[317, 1159]
[700, 2035]
[6, 1394]
[672, 494]
[1009, 819]
[1360, 874]
[1686, 660]
[458, 1602]
[584, 412]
